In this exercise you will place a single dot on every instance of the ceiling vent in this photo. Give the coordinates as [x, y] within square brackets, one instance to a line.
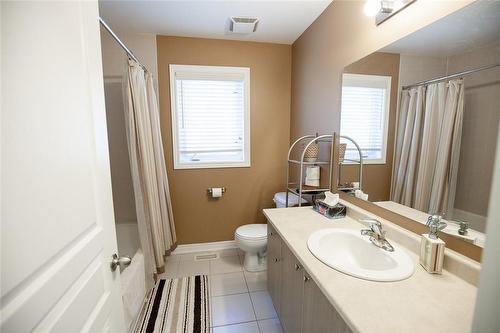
[243, 25]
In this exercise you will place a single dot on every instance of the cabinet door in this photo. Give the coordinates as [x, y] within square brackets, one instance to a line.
[291, 292]
[318, 314]
[274, 266]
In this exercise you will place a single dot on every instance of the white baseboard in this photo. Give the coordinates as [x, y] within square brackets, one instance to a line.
[205, 247]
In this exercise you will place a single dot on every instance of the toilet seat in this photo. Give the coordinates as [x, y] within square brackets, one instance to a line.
[252, 232]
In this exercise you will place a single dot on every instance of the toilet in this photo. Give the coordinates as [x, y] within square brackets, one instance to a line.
[293, 200]
[252, 239]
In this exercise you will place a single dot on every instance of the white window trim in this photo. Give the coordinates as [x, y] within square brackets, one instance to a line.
[360, 80]
[216, 73]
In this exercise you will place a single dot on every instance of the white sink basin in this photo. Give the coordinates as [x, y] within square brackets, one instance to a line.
[351, 253]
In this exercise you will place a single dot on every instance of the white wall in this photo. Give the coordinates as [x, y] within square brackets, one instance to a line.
[486, 318]
[113, 57]
[480, 130]
[413, 69]
[114, 65]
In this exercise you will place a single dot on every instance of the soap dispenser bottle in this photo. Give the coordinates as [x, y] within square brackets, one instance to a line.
[432, 247]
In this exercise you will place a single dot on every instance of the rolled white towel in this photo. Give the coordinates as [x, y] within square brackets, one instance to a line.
[312, 182]
[361, 195]
[313, 172]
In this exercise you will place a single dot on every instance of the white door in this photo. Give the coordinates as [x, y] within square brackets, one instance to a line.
[57, 224]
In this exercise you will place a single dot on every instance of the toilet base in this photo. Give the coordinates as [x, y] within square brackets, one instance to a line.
[255, 262]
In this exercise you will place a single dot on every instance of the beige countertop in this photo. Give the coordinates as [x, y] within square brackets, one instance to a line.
[422, 303]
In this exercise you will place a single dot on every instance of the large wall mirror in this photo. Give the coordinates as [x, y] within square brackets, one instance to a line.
[425, 112]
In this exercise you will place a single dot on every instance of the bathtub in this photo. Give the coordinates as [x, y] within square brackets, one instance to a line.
[133, 277]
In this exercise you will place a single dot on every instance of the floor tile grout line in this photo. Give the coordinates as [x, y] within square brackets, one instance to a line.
[251, 300]
[229, 273]
[210, 301]
[246, 292]
[185, 257]
[242, 271]
[259, 289]
[177, 264]
[243, 322]
[232, 293]
[239, 262]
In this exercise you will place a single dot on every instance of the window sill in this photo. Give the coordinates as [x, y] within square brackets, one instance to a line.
[367, 162]
[212, 166]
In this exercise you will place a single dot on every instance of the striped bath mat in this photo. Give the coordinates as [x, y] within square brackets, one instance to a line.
[177, 306]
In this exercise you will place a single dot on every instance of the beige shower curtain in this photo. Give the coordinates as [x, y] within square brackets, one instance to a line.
[428, 146]
[151, 190]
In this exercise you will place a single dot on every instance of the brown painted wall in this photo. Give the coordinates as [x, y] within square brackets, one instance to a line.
[377, 177]
[339, 37]
[197, 217]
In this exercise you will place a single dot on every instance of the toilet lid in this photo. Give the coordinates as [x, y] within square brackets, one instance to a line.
[252, 231]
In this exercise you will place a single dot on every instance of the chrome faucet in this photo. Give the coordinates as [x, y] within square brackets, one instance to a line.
[463, 228]
[435, 224]
[377, 234]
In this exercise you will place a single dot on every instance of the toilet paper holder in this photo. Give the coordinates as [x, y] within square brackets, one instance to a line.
[209, 190]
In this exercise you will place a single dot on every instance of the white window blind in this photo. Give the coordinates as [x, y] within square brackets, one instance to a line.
[210, 116]
[364, 115]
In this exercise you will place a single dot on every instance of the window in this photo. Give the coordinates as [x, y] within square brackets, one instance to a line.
[365, 115]
[210, 116]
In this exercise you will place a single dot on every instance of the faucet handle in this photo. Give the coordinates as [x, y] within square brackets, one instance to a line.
[433, 219]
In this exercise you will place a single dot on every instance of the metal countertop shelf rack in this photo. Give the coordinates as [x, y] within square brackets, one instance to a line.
[350, 189]
[298, 188]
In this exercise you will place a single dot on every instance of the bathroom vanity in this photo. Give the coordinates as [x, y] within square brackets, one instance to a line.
[300, 304]
[310, 296]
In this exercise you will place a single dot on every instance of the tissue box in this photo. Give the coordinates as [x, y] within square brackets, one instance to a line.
[332, 212]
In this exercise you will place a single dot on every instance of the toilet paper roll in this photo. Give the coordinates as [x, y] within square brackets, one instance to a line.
[216, 192]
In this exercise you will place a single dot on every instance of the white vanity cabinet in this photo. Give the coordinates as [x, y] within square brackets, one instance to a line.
[274, 266]
[300, 304]
[318, 314]
[292, 287]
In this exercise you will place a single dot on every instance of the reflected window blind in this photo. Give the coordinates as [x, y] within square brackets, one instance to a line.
[210, 119]
[363, 119]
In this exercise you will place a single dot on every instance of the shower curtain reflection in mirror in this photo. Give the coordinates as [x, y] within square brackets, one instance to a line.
[427, 148]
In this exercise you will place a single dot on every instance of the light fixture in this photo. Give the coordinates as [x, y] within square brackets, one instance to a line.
[372, 7]
[387, 6]
[383, 9]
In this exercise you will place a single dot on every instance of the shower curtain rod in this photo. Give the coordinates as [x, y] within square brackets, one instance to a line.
[122, 44]
[451, 76]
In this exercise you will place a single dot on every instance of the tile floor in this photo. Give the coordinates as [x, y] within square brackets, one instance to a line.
[239, 299]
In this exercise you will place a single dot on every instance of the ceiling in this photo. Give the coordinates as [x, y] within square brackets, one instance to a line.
[474, 26]
[280, 21]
